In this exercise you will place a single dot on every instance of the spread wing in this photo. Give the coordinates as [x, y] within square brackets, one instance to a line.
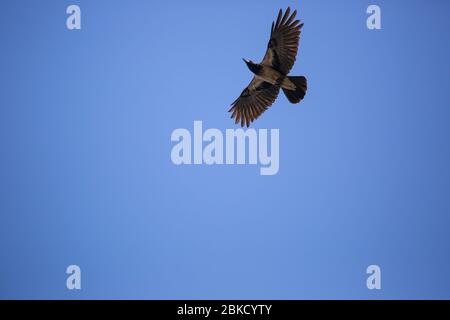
[253, 101]
[283, 44]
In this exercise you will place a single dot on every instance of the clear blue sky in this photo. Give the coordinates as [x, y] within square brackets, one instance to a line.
[86, 176]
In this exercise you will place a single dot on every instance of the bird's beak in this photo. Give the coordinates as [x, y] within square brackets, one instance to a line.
[245, 60]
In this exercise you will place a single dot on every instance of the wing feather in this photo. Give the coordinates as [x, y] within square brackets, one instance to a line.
[253, 101]
[283, 44]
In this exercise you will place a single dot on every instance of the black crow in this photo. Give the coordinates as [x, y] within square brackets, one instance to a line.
[272, 73]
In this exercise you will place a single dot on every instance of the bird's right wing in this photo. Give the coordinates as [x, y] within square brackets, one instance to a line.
[283, 44]
[253, 101]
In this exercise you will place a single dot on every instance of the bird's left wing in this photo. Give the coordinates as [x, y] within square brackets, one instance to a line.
[253, 101]
[283, 44]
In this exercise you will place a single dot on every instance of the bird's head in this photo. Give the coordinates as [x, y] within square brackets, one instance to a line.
[247, 62]
[251, 65]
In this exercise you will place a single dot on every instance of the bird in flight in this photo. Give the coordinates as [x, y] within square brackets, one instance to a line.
[272, 73]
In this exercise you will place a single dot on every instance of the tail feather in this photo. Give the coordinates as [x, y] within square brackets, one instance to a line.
[295, 96]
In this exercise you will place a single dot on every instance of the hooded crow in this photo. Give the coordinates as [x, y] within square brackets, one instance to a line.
[271, 74]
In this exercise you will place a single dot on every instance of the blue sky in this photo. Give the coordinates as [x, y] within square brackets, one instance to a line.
[86, 175]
